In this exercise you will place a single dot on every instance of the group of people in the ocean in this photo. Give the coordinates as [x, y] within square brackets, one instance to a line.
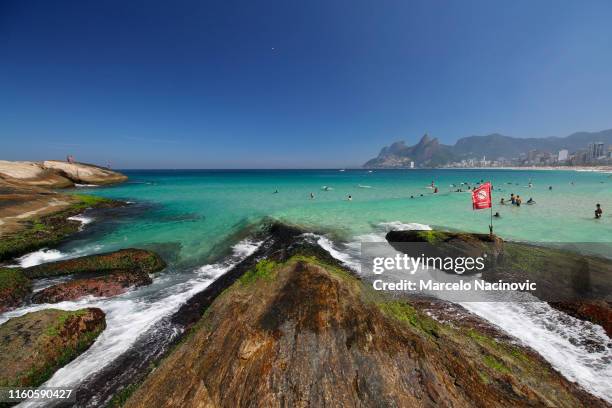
[514, 199]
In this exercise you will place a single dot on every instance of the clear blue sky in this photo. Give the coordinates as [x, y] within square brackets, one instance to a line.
[316, 83]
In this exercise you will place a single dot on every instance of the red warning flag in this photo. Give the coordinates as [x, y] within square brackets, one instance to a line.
[481, 197]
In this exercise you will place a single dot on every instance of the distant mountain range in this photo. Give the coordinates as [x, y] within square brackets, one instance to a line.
[429, 152]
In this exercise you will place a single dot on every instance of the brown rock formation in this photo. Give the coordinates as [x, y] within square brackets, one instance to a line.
[124, 260]
[84, 173]
[14, 287]
[596, 311]
[102, 286]
[306, 333]
[34, 346]
[57, 174]
[33, 174]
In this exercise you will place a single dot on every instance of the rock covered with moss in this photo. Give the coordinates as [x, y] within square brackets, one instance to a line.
[577, 284]
[445, 243]
[295, 329]
[49, 230]
[101, 275]
[124, 260]
[101, 286]
[35, 345]
[14, 287]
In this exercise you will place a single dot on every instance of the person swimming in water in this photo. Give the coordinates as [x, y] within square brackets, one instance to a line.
[550, 187]
[350, 198]
[496, 215]
[312, 196]
[275, 191]
[512, 199]
[411, 196]
[518, 201]
[530, 201]
[598, 211]
[435, 190]
[502, 201]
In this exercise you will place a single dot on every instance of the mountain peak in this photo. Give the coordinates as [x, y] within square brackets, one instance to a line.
[427, 152]
[425, 139]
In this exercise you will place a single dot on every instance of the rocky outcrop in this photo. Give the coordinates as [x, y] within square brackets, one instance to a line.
[101, 275]
[580, 285]
[561, 275]
[34, 346]
[446, 243]
[82, 173]
[33, 174]
[122, 261]
[57, 174]
[102, 286]
[296, 330]
[14, 287]
[596, 311]
[41, 220]
[428, 152]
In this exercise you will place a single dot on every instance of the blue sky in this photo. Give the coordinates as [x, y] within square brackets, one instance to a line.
[318, 83]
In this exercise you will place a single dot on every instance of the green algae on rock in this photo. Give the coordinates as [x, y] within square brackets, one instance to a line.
[14, 286]
[301, 329]
[50, 230]
[35, 345]
[102, 286]
[124, 260]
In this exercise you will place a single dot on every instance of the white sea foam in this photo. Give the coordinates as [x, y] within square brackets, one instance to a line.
[39, 257]
[346, 259]
[131, 314]
[245, 248]
[49, 255]
[82, 219]
[400, 226]
[350, 253]
[560, 339]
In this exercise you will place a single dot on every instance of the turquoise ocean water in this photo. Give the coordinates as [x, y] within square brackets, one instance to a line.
[201, 208]
[192, 217]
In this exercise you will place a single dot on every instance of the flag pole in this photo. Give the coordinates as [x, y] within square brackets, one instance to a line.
[491, 225]
[491, 207]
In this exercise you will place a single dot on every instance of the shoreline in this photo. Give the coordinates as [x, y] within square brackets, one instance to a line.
[593, 169]
[34, 214]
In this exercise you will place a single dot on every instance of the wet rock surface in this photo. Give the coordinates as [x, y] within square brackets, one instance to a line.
[288, 327]
[580, 285]
[47, 224]
[103, 286]
[35, 345]
[14, 287]
[124, 260]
